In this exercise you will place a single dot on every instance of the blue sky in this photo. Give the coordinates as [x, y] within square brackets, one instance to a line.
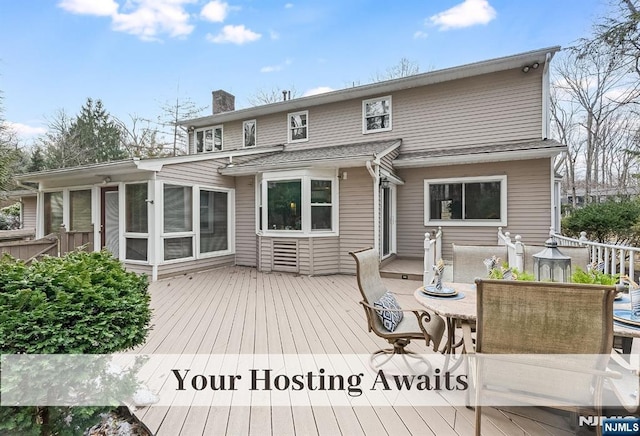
[136, 55]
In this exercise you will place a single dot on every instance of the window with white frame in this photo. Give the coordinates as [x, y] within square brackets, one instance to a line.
[376, 114]
[470, 201]
[136, 221]
[52, 212]
[249, 133]
[214, 221]
[298, 126]
[209, 139]
[80, 210]
[178, 222]
[298, 202]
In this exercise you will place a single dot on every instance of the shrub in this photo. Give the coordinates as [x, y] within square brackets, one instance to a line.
[605, 222]
[83, 303]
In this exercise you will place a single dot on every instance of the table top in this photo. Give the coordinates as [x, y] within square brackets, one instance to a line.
[465, 308]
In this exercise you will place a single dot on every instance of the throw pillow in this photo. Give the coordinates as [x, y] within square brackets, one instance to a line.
[390, 319]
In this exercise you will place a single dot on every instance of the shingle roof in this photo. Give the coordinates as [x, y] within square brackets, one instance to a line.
[358, 151]
[483, 149]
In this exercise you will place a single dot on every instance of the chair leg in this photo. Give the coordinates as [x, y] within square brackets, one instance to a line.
[478, 419]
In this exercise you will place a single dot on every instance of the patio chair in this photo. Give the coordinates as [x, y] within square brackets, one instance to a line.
[540, 318]
[415, 323]
[468, 260]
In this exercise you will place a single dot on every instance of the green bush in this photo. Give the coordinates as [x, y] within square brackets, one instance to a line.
[605, 222]
[83, 303]
[594, 276]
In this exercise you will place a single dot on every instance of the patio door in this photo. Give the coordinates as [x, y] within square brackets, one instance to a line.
[387, 221]
[110, 220]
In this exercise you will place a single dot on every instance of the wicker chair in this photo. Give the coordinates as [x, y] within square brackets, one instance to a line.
[422, 324]
[544, 318]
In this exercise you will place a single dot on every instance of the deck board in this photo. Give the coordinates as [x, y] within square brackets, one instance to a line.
[234, 310]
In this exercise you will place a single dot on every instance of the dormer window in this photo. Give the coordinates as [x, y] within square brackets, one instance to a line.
[209, 139]
[298, 123]
[376, 115]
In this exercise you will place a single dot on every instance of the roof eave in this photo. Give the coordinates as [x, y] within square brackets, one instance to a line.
[319, 163]
[501, 156]
[110, 168]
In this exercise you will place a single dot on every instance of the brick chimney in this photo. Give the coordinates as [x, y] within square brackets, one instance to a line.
[222, 102]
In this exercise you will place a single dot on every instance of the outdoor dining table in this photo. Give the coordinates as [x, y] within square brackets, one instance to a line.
[463, 310]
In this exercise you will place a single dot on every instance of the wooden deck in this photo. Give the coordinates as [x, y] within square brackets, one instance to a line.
[239, 310]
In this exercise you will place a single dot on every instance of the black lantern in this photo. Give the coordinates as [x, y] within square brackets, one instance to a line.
[551, 265]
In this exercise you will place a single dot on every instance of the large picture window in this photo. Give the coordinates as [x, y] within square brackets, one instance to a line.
[208, 140]
[376, 115]
[467, 201]
[298, 126]
[302, 204]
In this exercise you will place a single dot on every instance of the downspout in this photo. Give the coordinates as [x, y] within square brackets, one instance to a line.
[545, 96]
[375, 175]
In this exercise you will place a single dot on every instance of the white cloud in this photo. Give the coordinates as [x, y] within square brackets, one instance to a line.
[274, 68]
[420, 35]
[235, 35]
[153, 17]
[288, 5]
[215, 11]
[25, 131]
[90, 7]
[466, 14]
[318, 90]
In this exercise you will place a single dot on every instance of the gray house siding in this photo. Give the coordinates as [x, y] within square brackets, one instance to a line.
[528, 210]
[245, 221]
[356, 216]
[499, 107]
[201, 173]
[190, 266]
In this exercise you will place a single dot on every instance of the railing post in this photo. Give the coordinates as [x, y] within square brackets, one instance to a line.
[64, 240]
[583, 238]
[519, 253]
[428, 274]
[438, 253]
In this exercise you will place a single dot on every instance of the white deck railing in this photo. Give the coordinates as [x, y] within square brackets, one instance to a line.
[515, 249]
[610, 258]
[432, 253]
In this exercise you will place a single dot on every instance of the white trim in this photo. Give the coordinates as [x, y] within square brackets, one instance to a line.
[255, 133]
[462, 222]
[365, 131]
[290, 140]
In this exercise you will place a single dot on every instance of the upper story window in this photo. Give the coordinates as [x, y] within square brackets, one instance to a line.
[468, 201]
[249, 133]
[209, 139]
[376, 114]
[298, 129]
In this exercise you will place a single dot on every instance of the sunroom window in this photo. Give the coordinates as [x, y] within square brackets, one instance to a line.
[178, 222]
[80, 210]
[52, 212]
[467, 201]
[321, 204]
[298, 126]
[284, 205]
[208, 140]
[136, 221]
[213, 221]
[376, 115]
